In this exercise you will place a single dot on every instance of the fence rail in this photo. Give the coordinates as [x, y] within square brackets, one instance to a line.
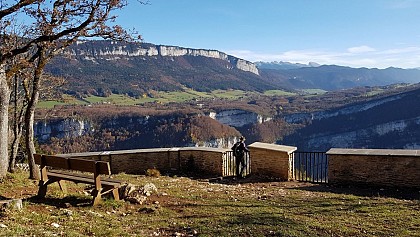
[310, 167]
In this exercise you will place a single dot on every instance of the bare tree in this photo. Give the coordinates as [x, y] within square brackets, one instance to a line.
[54, 26]
[18, 107]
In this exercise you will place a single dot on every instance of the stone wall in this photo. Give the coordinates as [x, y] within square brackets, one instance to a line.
[200, 160]
[266, 160]
[383, 167]
[272, 160]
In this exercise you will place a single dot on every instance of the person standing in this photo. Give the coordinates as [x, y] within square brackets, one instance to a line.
[239, 150]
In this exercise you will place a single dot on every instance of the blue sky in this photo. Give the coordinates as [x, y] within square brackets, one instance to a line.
[356, 33]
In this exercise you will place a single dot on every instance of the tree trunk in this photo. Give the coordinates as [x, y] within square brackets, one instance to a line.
[29, 137]
[14, 151]
[29, 118]
[4, 122]
[17, 127]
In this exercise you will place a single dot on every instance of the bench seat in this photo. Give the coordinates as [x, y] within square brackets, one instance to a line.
[67, 166]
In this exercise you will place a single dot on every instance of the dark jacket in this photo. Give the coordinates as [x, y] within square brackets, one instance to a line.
[239, 148]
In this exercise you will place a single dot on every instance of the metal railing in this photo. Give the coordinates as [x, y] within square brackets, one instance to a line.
[229, 164]
[310, 167]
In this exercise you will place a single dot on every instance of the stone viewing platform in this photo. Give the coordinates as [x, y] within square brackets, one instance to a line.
[167, 160]
[272, 160]
[383, 167]
[374, 152]
[267, 160]
[380, 167]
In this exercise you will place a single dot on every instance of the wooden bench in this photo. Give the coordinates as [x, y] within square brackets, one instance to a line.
[66, 165]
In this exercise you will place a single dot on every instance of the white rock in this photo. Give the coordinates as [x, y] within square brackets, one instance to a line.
[55, 225]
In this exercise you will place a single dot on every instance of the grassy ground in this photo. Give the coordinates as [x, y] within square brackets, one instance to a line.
[278, 93]
[198, 207]
[161, 97]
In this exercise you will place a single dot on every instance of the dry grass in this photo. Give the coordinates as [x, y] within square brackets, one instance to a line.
[193, 207]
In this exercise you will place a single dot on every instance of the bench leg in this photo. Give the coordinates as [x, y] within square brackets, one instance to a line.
[42, 191]
[96, 197]
[116, 194]
[63, 186]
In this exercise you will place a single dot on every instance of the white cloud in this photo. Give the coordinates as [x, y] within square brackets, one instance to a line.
[402, 50]
[402, 4]
[360, 49]
[361, 56]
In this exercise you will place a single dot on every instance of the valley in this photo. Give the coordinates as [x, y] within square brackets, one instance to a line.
[275, 117]
[127, 96]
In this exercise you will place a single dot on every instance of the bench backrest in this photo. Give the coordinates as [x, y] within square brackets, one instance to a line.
[84, 165]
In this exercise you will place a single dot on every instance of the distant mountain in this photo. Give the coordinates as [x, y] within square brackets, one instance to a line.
[284, 65]
[331, 77]
[105, 67]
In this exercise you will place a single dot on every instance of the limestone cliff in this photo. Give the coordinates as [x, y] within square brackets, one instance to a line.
[116, 50]
[237, 117]
[389, 122]
[132, 132]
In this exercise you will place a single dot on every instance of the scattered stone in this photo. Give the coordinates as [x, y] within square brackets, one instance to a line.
[55, 225]
[135, 195]
[96, 214]
[12, 204]
[126, 190]
[149, 189]
[67, 212]
[136, 199]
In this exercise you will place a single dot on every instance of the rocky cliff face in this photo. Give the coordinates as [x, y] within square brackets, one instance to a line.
[238, 118]
[116, 50]
[305, 117]
[225, 142]
[61, 128]
[392, 122]
[126, 132]
[385, 135]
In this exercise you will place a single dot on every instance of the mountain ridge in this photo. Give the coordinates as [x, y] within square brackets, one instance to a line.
[115, 48]
[138, 69]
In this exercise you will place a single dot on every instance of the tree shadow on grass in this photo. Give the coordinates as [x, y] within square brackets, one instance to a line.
[232, 180]
[364, 190]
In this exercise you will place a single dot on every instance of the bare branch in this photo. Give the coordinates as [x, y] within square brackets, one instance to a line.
[16, 7]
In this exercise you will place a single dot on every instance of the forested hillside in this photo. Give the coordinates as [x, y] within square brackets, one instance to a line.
[388, 122]
[138, 70]
[133, 132]
[98, 69]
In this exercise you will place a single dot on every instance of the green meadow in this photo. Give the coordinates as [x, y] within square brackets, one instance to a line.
[160, 97]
